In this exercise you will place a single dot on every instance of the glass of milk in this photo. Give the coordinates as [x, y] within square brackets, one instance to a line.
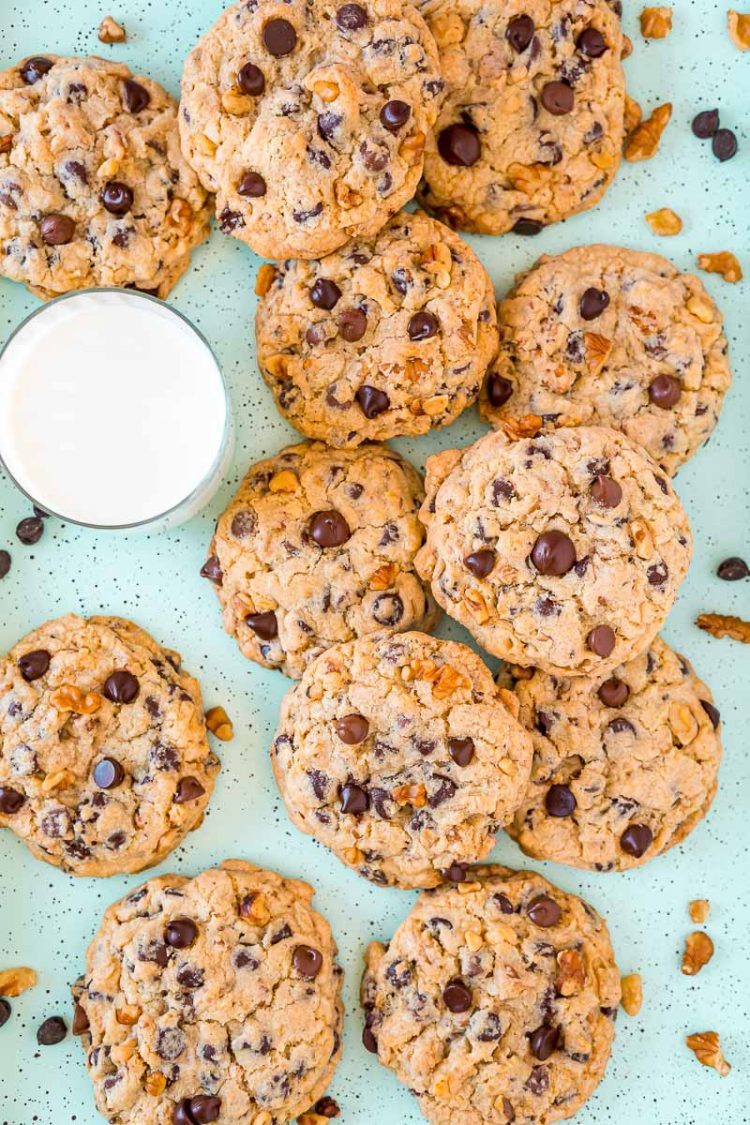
[114, 413]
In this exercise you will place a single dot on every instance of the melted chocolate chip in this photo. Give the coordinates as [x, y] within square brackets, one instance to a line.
[456, 996]
[10, 800]
[35, 68]
[264, 625]
[388, 609]
[664, 391]
[422, 326]
[459, 145]
[57, 230]
[354, 799]
[544, 1041]
[519, 33]
[591, 43]
[606, 492]
[325, 294]
[480, 563]
[252, 186]
[34, 664]
[250, 80]
[352, 325]
[329, 529]
[394, 115]
[557, 98]
[188, 789]
[461, 750]
[614, 692]
[712, 712]
[108, 773]
[636, 840]
[279, 38]
[499, 389]
[307, 961]
[601, 640]
[117, 198]
[560, 801]
[544, 911]
[121, 687]
[180, 933]
[351, 17]
[204, 1109]
[553, 553]
[593, 303]
[135, 97]
[372, 401]
[352, 729]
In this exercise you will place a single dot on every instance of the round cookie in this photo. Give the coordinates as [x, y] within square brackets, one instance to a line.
[531, 127]
[563, 551]
[94, 190]
[308, 119]
[624, 768]
[401, 755]
[318, 548]
[614, 337]
[211, 999]
[104, 761]
[494, 1001]
[389, 336]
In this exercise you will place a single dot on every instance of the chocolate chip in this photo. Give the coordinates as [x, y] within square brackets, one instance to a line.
[80, 1021]
[606, 492]
[559, 801]
[369, 1041]
[352, 729]
[211, 569]
[557, 98]
[636, 840]
[730, 570]
[5, 1011]
[329, 529]
[480, 563]
[388, 609]
[188, 789]
[354, 799]
[135, 97]
[264, 625]
[244, 524]
[657, 574]
[117, 198]
[57, 230]
[553, 553]
[499, 389]
[35, 68]
[372, 401]
[51, 1031]
[456, 996]
[230, 220]
[724, 144]
[705, 124]
[4, 563]
[544, 1041]
[252, 186]
[394, 115]
[121, 687]
[181, 1114]
[279, 38]
[180, 933]
[204, 1109]
[307, 961]
[352, 325]
[326, 1107]
[108, 773]
[422, 326]
[30, 530]
[461, 750]
[10, 800]
[34, 664]
[527, 226]
[593, 303]
[325, 293]
[351, 17]
[459, 145]
[664, 391]
[591, 43]
[601, 640]
[544, 911]
[519, 33]
[614, 692]
[712, 712]
[250, 80]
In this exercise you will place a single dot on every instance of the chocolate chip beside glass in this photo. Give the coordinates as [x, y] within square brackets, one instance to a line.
[250, 80]
[52, 1031]
[134, 96]
[372, 401]
[593, 303]
[461, 750]
[325, 294]
[35, 68]
[591, 43]
[456, 996]
[307, 961]
[544, 911]
[10, 800]
[188, 789]
[329, 529]
[30, 530]
[543, 1042]
[499, 389]
[601, 640]
[636, 840]
[108, 773]
[34, 664]
[724, 144]
[180, 933]
[121, 687]
[354, 799]
[459, 145]
[351, 17]
[422, 326]
[705, 124]
[252, 186]
[519, 33]
[480, 563]
[4, 563]
[730, 570]
[553, 554]
[664, 391]
[557, 98]
[606, 492]
[264, 625]
[279, 38]
[57, 230]
[352, 325]
[614, 692]
[352, 729]
[394, 115]
[560, 801]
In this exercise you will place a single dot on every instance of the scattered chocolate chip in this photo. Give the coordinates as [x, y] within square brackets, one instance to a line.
[325, 294]
[108, 773]
[459, 145]
[351, 17]
[30, 530]
[553, 553]
[480, 563]
[34, 664]
[593, 303]
[180, 933]
[591, 43]
[252, 186]
[705, 124]
[4, 563]
[250, 80]
[724, 144]
[730, 570]
[712, 712]
[636, 840]
[352, 729]
[307, 961]
[606, 492]
[614, 692]
[211, 569]
[560, 801]
[544, 911]
[372, 401]
[80, 1021]
[329, 529]
[279, 38]
[527, 226]
[352, 325]
[394, 115]
[456, 996]
[544, 1041]
[188, 789]
[10, 800]
[519, 33]
[5, 1010]
[664, 391]
[264, 625]
[35, 68]
[557, 98]
[354, 799]
[135, 97]
[601, 640]
[461, 750]
[117, 198]
[52, 1031]
[499, 389]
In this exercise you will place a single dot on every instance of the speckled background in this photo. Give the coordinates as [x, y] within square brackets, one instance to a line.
[47, 918]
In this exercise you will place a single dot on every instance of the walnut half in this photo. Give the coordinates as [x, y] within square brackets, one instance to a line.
[724, 625]
[643, 142]
[15, 981]
[739, 29]
[699, 949]
[656, 23]
[706, 1047]
[724, 263]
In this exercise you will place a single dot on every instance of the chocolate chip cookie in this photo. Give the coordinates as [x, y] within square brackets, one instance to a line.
[211, 999]
[318, 547]
[93, 187]
[531, 127]
[624, 767]
[308, 119]
[389, 336]
[494, 1001]
[563, 551]
[400, 755]
[614, 337]
[104, 761]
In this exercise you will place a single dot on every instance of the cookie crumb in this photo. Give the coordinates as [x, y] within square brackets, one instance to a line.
[699, 949]
[219, 723]
[632, 993]
[656, 23]
[724, 625]
[724, 263]
[110, 31]
[739, 29]
[15, 981]
[699, 909]
[706, 1047]
[664, 221]
[643, 142]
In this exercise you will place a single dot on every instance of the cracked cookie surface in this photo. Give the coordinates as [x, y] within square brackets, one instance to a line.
[564, 551]
[531, 127]
[624, 767]
[389, 336]
[308, 119]
[494, 1001]
[318, 548]
[211, 999]
[94, 190]
[104, 761]
[400, 755]
[612, 337]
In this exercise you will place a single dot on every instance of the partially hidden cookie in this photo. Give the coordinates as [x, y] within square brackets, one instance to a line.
[391, 335]
[318, 548]
[401, 755]
[494, 1001]
[563, 551]
[624, 767]
[612, 337]
[211, 999]
[308, 119]
[531, 127]
[104, 761]
[94, 190]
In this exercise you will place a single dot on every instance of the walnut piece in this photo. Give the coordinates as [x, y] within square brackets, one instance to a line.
[219, 723]
[15, 981]
[155, 1083]
[633, 114]
[724, 263]
[627, 47]
[656, 23]
[706, 1047]
[285, 481]
[253, 909]
[6, 143]
[643, 142]
[68, 697]
[664, 221]
[724, 625]
[739, 29]
[515, 429]
[415, 795]
[698, 910]
[699, 949]
[110, 31]
[632, 993]
[596, 349]
[265, 279]
[384, 577]
[571, 976]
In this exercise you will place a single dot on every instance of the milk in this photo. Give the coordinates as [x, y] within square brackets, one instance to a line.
[113, 411]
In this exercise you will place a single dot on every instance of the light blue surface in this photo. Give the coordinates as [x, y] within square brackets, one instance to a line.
[47, 918]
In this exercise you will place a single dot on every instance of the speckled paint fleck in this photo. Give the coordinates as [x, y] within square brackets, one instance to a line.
[46, 918]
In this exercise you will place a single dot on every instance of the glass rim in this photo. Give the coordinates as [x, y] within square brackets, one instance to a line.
[226, 434]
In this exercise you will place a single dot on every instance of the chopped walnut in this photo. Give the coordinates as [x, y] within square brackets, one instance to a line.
[656, 23]
[699, 909]
[515, 429]
[327, 91]
[128, 1014]
[311, 1118]
[155, 1083]
[706, 1047]
[699, 949]
[474, 603]
[285, 481]
[384, 577]
[253, 909]
[633, 114]
[643, 142]
[68, 697]
[219, 723]
[596, 349]
[571, 976]
[110, 31]
[237, 103]
[528, 178]
[415, 795]
[724, 263]
[664, 221]
[725, 625]
[265, 279]
[6, 143]
[15, 981]
[739, 29]
[413, 147]
[632, 993]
